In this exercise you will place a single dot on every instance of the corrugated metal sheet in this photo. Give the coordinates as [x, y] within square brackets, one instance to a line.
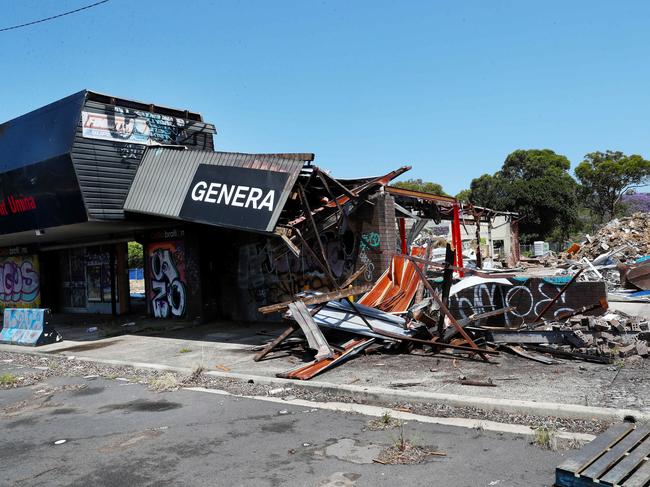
[105, 169]
[164, 177]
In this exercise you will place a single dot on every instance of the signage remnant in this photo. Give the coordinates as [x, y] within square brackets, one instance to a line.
[231, 196]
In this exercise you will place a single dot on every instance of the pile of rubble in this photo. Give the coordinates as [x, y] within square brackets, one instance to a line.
[628, 237]
[408, 308]
[601, 339]
[416, 303]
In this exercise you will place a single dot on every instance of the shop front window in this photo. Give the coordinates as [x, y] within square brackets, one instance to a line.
[86, 277]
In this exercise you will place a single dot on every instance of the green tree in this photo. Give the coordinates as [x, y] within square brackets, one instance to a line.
[536, 184]
[606, 176]
[464, 195]
[135, 256]
[423, 186]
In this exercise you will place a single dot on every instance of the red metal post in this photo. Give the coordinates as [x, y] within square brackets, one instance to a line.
[402, 234]
[455, 238]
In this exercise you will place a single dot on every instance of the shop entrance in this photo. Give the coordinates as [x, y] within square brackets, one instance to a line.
[90, 279]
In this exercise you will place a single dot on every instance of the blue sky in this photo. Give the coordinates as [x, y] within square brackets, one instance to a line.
[447, 87]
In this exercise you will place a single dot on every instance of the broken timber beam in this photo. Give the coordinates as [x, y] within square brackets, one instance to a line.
[283, 336]
[445, 310]
[432, 343]
[317, 299]
[315, 338]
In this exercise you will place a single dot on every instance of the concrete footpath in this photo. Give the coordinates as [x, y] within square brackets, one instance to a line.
[570, 389]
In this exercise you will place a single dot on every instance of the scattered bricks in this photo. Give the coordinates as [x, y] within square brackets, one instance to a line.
[618, 326]
[644, 335]
[601, 326]
[591, 322]
[641, 349]
[586, 339]
[627, 350]
[578, 339]
[608, 337]
[634, 327]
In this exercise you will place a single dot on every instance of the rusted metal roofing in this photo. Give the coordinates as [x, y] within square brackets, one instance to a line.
[165, 176]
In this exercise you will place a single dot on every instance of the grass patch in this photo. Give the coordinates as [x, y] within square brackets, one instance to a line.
[196, 373]
[165, 382]
[384, 422]
[545, 437]
[184, 350]
[404, 451]
[8, 379]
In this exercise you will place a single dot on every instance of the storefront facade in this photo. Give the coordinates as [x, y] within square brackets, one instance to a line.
[85, 175]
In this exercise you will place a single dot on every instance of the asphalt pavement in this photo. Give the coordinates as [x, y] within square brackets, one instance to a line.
[118, 433]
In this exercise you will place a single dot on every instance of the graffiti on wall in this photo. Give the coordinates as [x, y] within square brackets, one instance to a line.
[133, 126]
[528, 297]
[369, 241]
[22, 326]
[19, 282]
[273, 278]
[168, 294]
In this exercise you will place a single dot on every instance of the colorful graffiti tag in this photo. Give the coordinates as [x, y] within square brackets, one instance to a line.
[369, 241]
[168, 295]
[19, 282]
[22, 326]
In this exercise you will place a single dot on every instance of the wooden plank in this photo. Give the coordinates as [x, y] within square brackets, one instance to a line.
[629, 463]
[315, 338]
[445, 310]
[640, 478]
[567, 479]
[317, 299]
[591, 451]
[354, 276]
[283, 336]
[618, 451]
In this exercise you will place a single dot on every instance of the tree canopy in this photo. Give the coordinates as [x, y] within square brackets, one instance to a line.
[606, 176]
[536, 184]
[135, 255]
[423, 186]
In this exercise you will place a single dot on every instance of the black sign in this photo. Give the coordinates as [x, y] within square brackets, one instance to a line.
[235, 197]
[39, 196]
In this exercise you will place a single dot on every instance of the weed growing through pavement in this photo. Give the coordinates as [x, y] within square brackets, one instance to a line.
[184, 350]
[405, 451]
[165, 382]
[384, 422]
[546, 437]
[196, 373]
[8, 379]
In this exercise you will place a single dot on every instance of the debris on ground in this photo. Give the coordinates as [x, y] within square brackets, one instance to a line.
[427, 303]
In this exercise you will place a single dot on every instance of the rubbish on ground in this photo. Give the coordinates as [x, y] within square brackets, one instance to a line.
[479, 383]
